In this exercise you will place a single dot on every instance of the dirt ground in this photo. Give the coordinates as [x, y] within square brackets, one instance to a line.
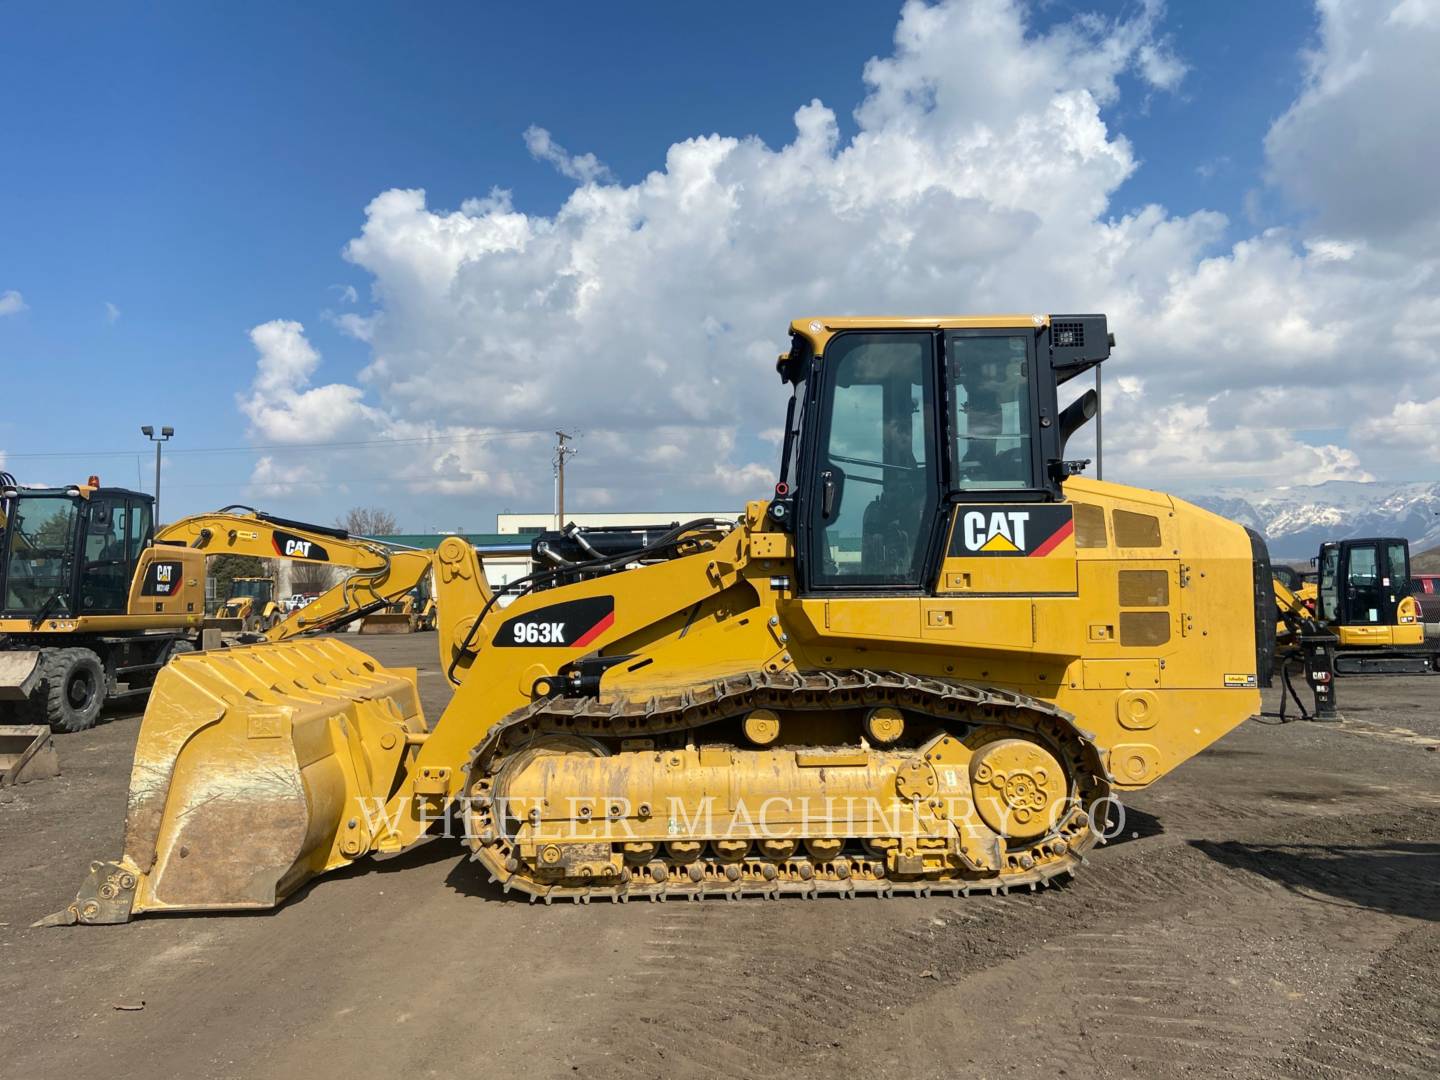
[1273, 910]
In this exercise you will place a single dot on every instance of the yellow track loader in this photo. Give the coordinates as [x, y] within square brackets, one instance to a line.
[929, 663]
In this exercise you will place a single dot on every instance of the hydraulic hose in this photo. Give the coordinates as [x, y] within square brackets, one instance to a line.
[530, 582]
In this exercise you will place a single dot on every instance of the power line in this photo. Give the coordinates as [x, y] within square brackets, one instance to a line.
[484, 436]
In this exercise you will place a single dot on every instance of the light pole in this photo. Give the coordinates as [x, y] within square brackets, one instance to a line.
[164, 436]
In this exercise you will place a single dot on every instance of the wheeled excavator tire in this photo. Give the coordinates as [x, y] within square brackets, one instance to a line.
[986, 790]
[71, 690]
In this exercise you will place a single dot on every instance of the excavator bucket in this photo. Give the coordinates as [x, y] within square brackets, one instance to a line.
[387, 622]
[26, 753]
[256, 769]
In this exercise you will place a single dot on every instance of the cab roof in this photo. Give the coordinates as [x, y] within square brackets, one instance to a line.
[819, 329]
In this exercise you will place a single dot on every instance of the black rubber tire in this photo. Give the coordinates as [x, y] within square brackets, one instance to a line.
[72, 689]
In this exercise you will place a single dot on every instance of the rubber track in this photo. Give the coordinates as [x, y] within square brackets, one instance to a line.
[942, 699]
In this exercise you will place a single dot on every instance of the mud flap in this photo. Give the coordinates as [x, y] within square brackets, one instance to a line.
[27, 752]
[256, 769]
[19, 674]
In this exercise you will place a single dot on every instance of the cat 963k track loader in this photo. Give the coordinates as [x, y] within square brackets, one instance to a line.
[927, 664]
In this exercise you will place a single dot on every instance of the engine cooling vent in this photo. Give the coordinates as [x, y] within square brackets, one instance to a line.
[1067, 335]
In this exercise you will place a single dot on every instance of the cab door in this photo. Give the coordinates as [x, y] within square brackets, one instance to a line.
[105, 563]
[1375, 575]
[1006, 535]
[871, 512]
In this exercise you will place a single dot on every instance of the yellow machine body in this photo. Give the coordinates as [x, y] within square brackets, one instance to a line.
[1407, 630]
[690, 721]
[166, 592]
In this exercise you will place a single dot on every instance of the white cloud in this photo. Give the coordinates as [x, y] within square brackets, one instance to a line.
[11, 303]
[1160, 67]
[1411, 427]
[586, 168]
[375, 447]
[284, 408]
[112, 313]
[1359, 146]
[649, 314]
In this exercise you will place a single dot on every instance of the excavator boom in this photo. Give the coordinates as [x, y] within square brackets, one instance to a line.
[382, 574]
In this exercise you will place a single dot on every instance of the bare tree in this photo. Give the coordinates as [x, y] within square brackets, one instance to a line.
[368, 521]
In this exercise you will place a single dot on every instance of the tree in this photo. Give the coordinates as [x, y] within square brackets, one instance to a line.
[368, 521]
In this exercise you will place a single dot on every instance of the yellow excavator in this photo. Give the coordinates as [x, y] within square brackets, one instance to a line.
[94, 600]
[90, 609]
[931, 662]
[383, 575]
[1362, 599]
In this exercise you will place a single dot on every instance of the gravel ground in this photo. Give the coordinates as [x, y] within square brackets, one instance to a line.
[1273, 910]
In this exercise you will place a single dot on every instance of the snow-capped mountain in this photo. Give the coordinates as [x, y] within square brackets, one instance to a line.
[1294, 520]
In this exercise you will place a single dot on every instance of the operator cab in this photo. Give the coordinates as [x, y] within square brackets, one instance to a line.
[1363, 581]
[260, 589]
[67, 552]
[897, 423]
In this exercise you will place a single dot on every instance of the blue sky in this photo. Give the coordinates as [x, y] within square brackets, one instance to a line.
[201, 170]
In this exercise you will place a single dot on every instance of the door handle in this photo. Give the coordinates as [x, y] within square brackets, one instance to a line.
[827, 493]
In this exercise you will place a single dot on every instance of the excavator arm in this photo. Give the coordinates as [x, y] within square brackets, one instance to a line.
[357, 596]
[382, 574]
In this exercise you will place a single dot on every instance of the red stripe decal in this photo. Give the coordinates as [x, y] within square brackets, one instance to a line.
[594, 631]
[1055, 539]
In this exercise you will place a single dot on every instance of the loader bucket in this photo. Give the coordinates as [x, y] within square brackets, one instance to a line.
[225, 626]
[387, 622]
[19, 673]
[26, 753]
[256, 769]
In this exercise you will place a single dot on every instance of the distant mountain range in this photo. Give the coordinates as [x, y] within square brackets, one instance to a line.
[1294, 520]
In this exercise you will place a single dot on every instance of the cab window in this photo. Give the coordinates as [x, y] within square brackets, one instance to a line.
[989, 379]
[139, 528]
[1329, 588]
[39, 567]
[1399, 571]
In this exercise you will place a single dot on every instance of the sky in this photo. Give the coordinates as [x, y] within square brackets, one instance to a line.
[376, 255]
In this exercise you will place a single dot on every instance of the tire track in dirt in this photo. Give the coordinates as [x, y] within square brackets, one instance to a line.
[1131, 956]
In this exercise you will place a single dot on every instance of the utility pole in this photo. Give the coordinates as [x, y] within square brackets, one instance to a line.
[561, 453]
[163, 437]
